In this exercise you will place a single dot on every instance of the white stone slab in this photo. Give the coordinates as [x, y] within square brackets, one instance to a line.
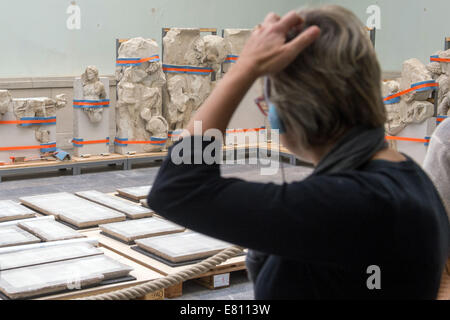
[181, 247]
[16, 222]
[54, 277]
[50, 230]
[129, 231]
[35, 256]
[74, 210]
[10, 210]
[13, 236]
[135, 193]
[91, 242]
[131, 209]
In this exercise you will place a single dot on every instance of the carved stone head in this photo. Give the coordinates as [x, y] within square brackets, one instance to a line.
[90, 75]
[157, 126]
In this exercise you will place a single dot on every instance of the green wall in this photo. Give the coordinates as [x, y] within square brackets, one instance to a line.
[409, 28]
[36, 41]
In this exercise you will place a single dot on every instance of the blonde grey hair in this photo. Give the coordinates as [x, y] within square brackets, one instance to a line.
[334, 84]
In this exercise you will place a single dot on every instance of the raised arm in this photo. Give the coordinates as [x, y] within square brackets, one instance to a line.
[265, 52]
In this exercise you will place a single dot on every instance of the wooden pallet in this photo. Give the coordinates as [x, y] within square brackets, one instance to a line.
[141, 274]
[234, 264]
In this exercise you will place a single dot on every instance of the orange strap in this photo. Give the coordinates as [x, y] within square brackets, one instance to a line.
[408, 139]
[90, 142]
[27, 121]
[136, 61]
[425, 85]
[187, 69]
[245, 130]
[28, 147]
[439, 59]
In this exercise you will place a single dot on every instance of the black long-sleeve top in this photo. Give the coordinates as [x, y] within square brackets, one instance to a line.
[322, 233]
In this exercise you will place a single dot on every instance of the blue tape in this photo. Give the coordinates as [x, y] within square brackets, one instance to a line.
[38, 118]
[424, 89]
[120, 144]
[91, 101]
[201, 70]
[190, 72]
[392, 101]
[77, 145]
[38, 124]
[48, 149]
[230, 60]
[434, 56]
[184, 67]
[155, 139]
[137, 63]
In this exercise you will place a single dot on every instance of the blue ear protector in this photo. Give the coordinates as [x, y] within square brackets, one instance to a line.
[274, 119]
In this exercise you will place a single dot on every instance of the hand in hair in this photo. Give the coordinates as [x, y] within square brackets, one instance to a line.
[267, 51]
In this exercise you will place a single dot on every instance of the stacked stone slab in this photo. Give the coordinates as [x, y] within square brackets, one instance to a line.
[27, 126]
[91, 110]
[140, 125]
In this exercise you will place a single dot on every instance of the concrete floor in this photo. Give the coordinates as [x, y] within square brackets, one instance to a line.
[108, 180]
